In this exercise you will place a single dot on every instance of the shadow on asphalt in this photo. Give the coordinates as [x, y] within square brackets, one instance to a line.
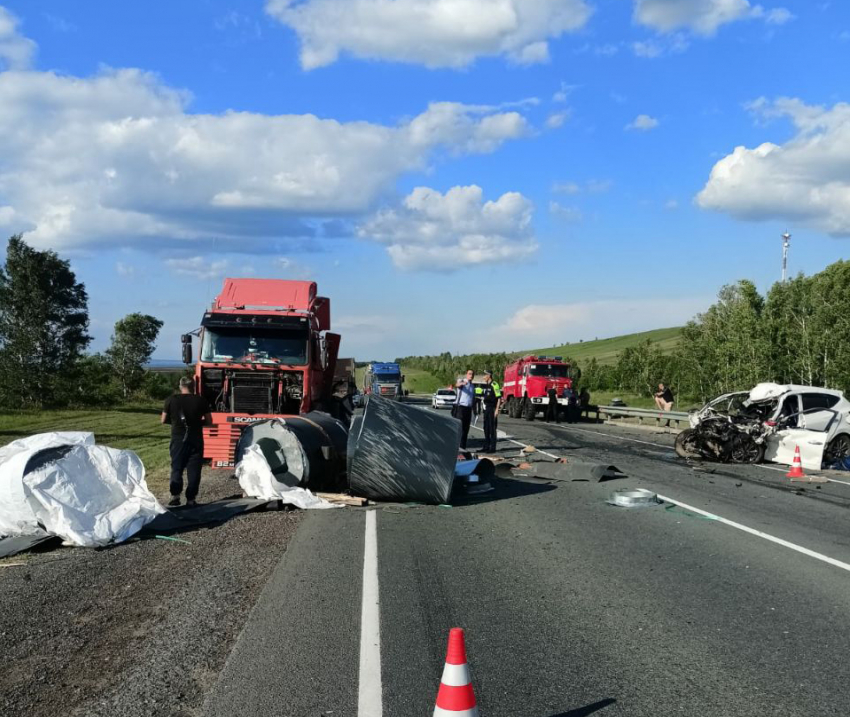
[587, 710]
[504, 489]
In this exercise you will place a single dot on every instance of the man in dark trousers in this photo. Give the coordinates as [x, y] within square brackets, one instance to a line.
[187, 414]
[491, 396]
[552, 409]
[462, 410]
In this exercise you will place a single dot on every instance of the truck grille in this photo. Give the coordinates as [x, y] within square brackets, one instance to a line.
[252, 399]
[388, 390]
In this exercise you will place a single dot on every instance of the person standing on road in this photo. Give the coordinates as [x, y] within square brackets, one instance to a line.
[464, 402]
[552, 407]
[187, 414]
[490, 395]
[664, 398]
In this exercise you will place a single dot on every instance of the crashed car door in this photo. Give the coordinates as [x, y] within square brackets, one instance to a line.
[807, 430]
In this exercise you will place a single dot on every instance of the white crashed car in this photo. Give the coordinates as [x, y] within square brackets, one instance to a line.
[443, 398]
[817, 420]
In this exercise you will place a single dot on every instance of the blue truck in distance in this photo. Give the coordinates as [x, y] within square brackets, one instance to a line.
[384, 379]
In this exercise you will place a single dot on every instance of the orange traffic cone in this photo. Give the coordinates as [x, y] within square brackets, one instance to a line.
[796, 472]
[456, 698]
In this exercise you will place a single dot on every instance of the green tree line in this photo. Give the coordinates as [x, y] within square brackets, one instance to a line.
[44, 325]
[799, 332]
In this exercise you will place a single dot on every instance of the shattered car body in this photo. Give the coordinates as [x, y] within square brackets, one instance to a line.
[778, 418]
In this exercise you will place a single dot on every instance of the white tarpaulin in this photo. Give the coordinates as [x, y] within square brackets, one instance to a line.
[257, 480]
[16, 515]
[86, 494]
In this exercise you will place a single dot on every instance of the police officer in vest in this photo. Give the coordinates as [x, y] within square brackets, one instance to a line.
[490, 396]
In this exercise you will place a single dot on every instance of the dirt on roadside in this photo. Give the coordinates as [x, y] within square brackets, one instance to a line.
[142, 628]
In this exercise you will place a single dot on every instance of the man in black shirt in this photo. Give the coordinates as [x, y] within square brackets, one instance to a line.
[664, 398]
[187, 414]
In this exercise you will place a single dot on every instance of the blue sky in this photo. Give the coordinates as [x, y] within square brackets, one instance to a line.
[467, 175]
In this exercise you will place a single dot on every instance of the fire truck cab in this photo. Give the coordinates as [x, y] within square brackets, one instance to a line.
[528, 380]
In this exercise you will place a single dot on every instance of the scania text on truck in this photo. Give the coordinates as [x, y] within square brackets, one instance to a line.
[528, 380]
[384, 379]
[265, 351]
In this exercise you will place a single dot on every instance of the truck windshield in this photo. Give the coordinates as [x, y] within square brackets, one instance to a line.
[255, 345]
[388, 377]
[549, 370]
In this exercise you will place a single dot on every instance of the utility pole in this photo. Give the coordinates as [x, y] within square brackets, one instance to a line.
[786, 242]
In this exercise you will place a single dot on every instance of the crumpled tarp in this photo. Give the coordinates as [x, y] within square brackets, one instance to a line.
[257, 480]
[62, 484]
[16, 515]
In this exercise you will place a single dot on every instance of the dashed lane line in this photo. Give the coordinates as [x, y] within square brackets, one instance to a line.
[370, 696]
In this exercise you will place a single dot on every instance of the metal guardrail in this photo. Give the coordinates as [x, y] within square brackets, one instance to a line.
[640, 413]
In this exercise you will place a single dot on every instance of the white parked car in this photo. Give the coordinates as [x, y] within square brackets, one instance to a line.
[817, 420]
[443, 398]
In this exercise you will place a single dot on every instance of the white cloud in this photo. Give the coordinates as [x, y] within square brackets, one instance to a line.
[778, 16]
[557, 119]
[540, 325]
[453, 230]
[566, 188]
[644, 123]
[118, 155]
[671, 204]
[672, 44]
[567, 214]
[292, 269]
[564, 93]
[16, 51]
[702, 17]
[805, 181]
[126, 270]
[197, 267]
[434, 33]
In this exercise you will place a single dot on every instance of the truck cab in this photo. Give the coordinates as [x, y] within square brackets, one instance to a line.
[265, 351]
[385, 380]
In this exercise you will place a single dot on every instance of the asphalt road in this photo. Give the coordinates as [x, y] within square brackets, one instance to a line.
[571, 606]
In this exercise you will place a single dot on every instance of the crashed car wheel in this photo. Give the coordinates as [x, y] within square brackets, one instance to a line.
[837, 450]
[686, 444]
[746, 450]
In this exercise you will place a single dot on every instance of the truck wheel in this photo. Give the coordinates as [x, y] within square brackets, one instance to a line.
[528, 410]
[513, 407]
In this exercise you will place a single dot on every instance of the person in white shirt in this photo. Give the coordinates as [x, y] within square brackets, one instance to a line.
[463, 405]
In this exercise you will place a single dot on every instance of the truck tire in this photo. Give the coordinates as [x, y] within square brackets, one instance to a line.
[528, 410]
[513, 407]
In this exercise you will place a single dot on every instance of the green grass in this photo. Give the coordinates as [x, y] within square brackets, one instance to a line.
[606, 350]
[136, 428]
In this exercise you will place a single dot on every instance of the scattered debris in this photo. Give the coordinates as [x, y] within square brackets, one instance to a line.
[635, 498]
[173, 540]
[344, 499]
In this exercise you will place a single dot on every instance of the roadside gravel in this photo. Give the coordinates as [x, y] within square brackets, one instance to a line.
[141, 629]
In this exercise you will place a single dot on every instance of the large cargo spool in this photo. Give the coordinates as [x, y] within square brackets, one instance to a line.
[400, 452]
[307, 451]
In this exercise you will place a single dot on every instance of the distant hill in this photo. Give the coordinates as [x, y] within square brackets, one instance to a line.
[606, 350]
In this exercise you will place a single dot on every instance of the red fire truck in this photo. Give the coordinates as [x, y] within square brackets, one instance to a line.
[265, 351]
[528, 380]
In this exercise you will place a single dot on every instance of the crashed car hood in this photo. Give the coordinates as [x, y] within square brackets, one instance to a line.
[767, 391]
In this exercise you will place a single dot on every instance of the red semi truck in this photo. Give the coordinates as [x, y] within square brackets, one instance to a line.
[528, 380]
[265, 351]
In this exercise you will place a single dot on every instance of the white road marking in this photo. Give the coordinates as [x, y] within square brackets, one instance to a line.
[524, 445]
[738, 526]
[370, 698]
[760, 534]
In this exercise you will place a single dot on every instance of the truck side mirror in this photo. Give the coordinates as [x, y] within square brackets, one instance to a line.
[186, 340]
[323, 353]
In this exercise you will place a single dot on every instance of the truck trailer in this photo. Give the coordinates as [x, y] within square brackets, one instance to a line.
[265, 351]
[528, 380]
